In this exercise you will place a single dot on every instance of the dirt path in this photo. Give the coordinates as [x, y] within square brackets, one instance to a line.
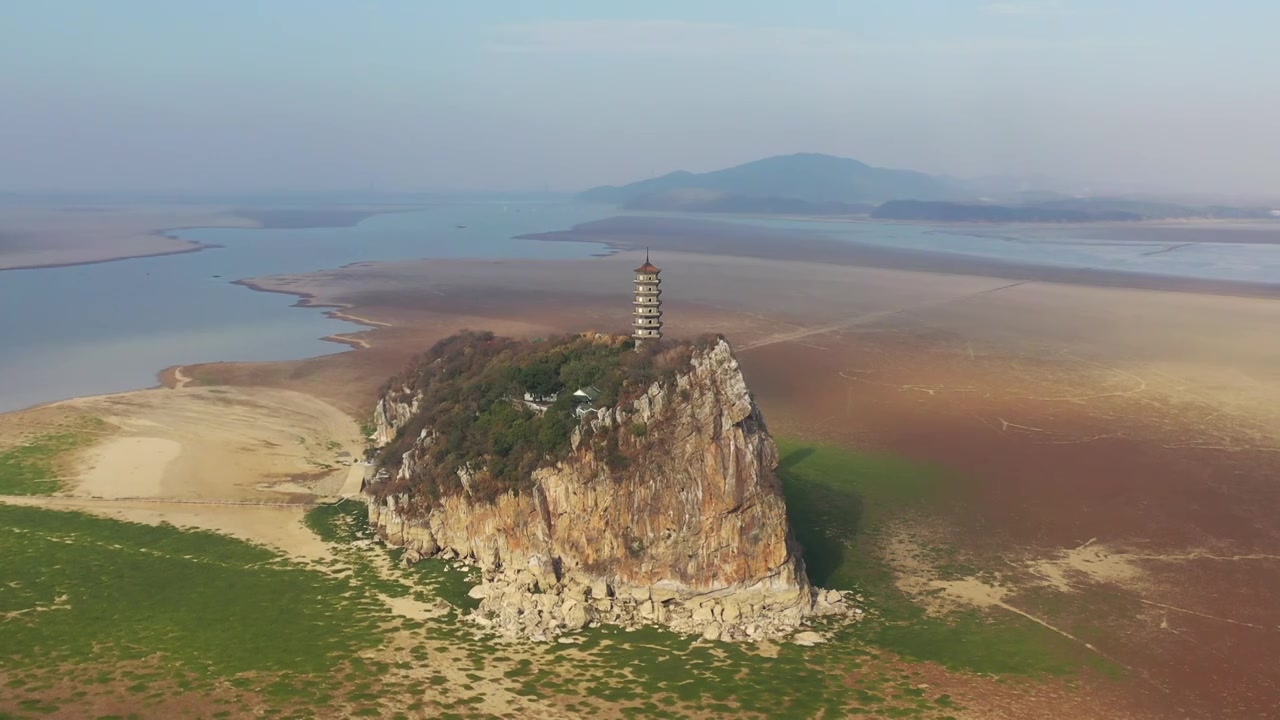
[867, 318]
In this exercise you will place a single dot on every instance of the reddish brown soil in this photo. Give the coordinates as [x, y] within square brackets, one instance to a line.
[1204, 642]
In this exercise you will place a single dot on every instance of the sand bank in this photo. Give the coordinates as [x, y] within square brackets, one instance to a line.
[53, 236]
[127, 467]
[43, 235]
[244, 462]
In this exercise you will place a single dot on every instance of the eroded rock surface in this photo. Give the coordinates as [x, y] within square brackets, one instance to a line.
[690, 533]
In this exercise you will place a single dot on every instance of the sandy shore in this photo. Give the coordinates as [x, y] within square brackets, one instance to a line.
[247, 463]
[53, 237]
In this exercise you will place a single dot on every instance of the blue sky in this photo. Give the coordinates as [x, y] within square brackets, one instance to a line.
[308, 95]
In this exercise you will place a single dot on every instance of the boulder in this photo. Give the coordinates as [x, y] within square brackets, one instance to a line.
[704, 613]
[732, 611]
[599, 589]
[428, 546]
[808, 638]
[574, 615]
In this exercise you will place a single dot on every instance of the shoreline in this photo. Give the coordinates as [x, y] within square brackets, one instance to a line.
[863, 218]
[193, 247]
[261, 219]
[167, 377]
[768, 244]
[336, 311]
[919, 262]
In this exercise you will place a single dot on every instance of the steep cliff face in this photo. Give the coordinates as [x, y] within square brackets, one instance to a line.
[678, 519]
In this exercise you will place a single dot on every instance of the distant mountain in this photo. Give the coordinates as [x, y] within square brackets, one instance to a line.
[813, 184]
[711, 201]
[839, 184]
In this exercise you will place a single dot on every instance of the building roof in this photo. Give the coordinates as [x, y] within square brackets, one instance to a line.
[647, 267]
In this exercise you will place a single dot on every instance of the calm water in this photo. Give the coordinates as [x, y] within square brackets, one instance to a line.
[1069, 246]
[104, 328]
[93, 329]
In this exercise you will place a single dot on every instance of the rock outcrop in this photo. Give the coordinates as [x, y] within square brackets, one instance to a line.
[689, 530]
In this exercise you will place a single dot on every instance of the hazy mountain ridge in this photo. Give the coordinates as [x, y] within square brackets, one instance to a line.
[808, 177]
[816, 184]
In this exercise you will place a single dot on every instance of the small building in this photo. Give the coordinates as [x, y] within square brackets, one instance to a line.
[646, 314]
[585, 400]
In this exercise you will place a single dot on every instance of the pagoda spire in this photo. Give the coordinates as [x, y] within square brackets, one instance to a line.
[646, 313]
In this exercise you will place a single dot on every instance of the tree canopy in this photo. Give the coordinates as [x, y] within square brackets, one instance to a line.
[471, 387]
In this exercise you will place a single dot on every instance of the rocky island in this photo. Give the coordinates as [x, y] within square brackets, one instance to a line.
[593, 482]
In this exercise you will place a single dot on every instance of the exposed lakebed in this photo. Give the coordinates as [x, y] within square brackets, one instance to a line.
[90, 329]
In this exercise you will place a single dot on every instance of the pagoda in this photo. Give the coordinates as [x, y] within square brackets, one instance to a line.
[646, 321]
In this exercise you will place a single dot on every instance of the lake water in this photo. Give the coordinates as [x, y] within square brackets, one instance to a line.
[92, 329]
[110, 327]
[1071, 246]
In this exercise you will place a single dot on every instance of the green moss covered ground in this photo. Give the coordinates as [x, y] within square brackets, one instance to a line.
[100, 613]
[33, 467]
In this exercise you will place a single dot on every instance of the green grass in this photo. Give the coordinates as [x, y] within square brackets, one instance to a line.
[836, 498]
[156, 609]
[342, 523]
[87, 590]
[629, 669]
[840, 503]
[33, 468]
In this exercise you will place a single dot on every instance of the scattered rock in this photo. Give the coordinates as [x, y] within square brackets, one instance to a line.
[732, 611]
[600, 589]
[808, 638]
[574, 614]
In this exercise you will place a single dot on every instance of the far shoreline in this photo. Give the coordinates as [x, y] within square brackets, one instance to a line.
[270, 218]
[194, 247]
[932, 263]
[712, 236]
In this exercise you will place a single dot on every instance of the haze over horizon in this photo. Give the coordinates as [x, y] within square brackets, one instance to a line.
[400, 96]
